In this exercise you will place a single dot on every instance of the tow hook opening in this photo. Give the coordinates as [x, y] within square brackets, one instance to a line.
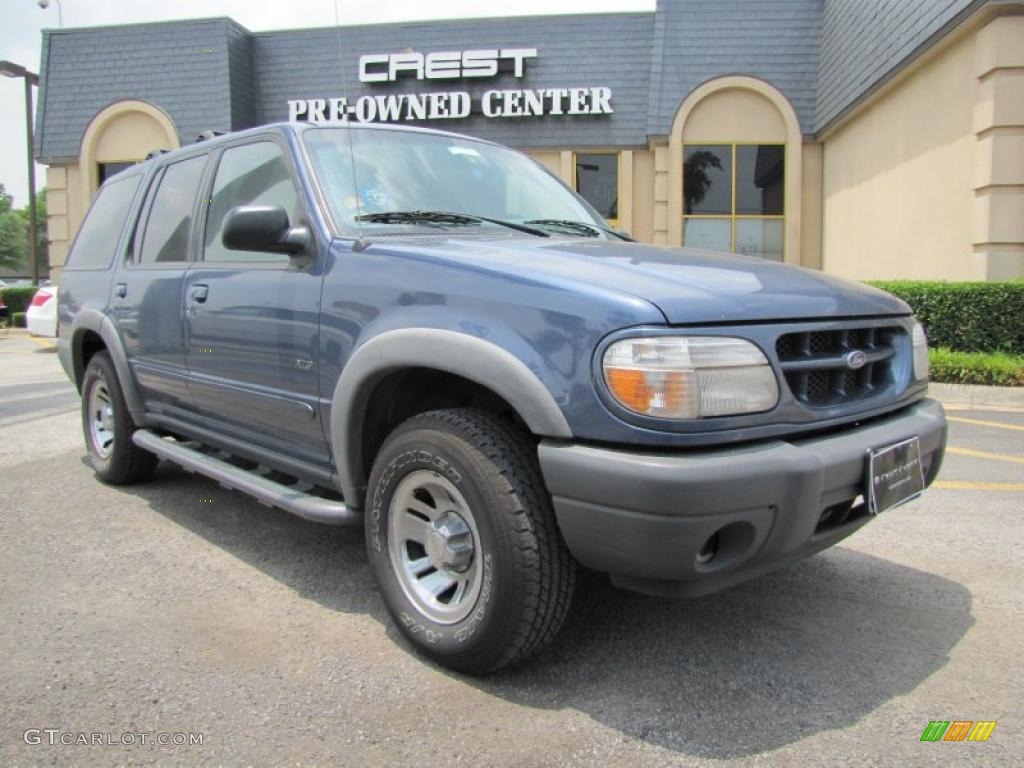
[726, 547]
[709, 550]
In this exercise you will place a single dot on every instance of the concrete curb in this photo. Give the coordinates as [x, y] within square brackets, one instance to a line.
[976, 396]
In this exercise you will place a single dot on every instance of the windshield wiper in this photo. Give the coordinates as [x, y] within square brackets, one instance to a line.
[443, 217]
[585, 228]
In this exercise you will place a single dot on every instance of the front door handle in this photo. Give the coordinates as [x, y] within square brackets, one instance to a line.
[121, 290]
[199, 293]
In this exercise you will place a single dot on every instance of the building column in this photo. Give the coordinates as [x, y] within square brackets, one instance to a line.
[811, 205]
[998, 238]
[60, 222]
[661, 194]
[625, 201]
[566, 168]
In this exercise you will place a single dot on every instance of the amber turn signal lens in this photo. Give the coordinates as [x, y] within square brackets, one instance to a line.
[630, 388]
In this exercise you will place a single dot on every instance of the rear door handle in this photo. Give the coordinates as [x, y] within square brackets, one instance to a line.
[199, 293]
[121, 290]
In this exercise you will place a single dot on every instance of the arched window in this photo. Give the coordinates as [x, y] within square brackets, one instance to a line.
[734, 177]
[119, 135]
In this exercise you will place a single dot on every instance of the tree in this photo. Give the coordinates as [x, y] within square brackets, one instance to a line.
[13, 234]
[42, 240]
[696, 181]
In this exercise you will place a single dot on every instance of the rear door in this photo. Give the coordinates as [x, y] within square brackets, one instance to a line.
[252, 319]
[147, 299]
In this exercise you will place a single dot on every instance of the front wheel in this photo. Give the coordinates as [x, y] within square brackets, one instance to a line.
[462, 541]
[108, 426]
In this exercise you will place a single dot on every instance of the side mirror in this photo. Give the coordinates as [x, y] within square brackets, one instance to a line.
[264, 228]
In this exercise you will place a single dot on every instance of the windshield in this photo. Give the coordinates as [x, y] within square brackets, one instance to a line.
[389, 172]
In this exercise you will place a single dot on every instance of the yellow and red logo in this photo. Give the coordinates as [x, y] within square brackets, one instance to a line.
[958, 730]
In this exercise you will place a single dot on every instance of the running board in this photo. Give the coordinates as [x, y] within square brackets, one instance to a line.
[264, 490]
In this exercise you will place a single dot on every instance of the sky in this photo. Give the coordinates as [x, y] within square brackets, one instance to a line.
[22, 20]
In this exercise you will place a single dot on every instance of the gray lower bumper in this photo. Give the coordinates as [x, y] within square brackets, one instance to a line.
[644, 517]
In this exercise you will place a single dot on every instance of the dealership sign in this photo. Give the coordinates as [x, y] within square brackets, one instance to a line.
[376, 68]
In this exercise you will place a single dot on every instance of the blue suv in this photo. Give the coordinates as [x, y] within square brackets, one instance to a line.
[432, 337]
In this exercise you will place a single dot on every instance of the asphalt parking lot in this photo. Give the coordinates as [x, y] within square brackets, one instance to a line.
[178, 607]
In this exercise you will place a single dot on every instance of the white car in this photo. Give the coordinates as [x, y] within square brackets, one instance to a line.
[41, 316]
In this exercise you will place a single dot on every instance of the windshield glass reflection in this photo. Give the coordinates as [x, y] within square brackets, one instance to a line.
[384, 171]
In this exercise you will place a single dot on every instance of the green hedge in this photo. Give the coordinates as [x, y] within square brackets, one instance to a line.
[967, 317]
[18, 319]
[994, 368]
[17, 299]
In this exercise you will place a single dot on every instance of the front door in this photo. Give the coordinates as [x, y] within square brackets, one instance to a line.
[253, 319]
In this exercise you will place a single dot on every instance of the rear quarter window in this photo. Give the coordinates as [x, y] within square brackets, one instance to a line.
[169, 220]
[97, 237]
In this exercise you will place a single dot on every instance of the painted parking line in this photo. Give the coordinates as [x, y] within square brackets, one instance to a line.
[966, 485]
[983, 423]
[43, 342]
[984, 455]
[16, 382]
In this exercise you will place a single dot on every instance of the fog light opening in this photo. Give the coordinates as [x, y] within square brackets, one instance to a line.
[709, 550]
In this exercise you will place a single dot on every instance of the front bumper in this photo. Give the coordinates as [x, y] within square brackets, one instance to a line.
[644, 517]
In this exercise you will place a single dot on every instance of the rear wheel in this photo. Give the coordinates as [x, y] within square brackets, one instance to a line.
[108, 427]
[463, 543]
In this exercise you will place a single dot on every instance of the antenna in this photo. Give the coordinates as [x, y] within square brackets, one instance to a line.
[341, 63]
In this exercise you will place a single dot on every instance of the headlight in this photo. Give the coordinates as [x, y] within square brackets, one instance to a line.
[921, 365]
[689, 377]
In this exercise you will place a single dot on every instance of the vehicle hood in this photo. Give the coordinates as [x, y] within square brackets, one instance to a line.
[689, 286]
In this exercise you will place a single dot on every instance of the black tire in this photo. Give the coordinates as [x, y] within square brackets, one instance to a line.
[120, 462]
[527, 575]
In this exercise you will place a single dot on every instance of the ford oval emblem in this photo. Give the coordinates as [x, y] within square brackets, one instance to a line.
[855, 359]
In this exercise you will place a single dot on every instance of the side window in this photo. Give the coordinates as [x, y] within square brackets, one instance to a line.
[97, 238]
[169, 219]
[597, 181]
[251, 174]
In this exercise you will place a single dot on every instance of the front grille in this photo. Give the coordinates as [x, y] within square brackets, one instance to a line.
[817, 368]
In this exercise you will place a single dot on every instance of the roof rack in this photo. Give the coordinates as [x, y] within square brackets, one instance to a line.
[207, 135]
[156, 153]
